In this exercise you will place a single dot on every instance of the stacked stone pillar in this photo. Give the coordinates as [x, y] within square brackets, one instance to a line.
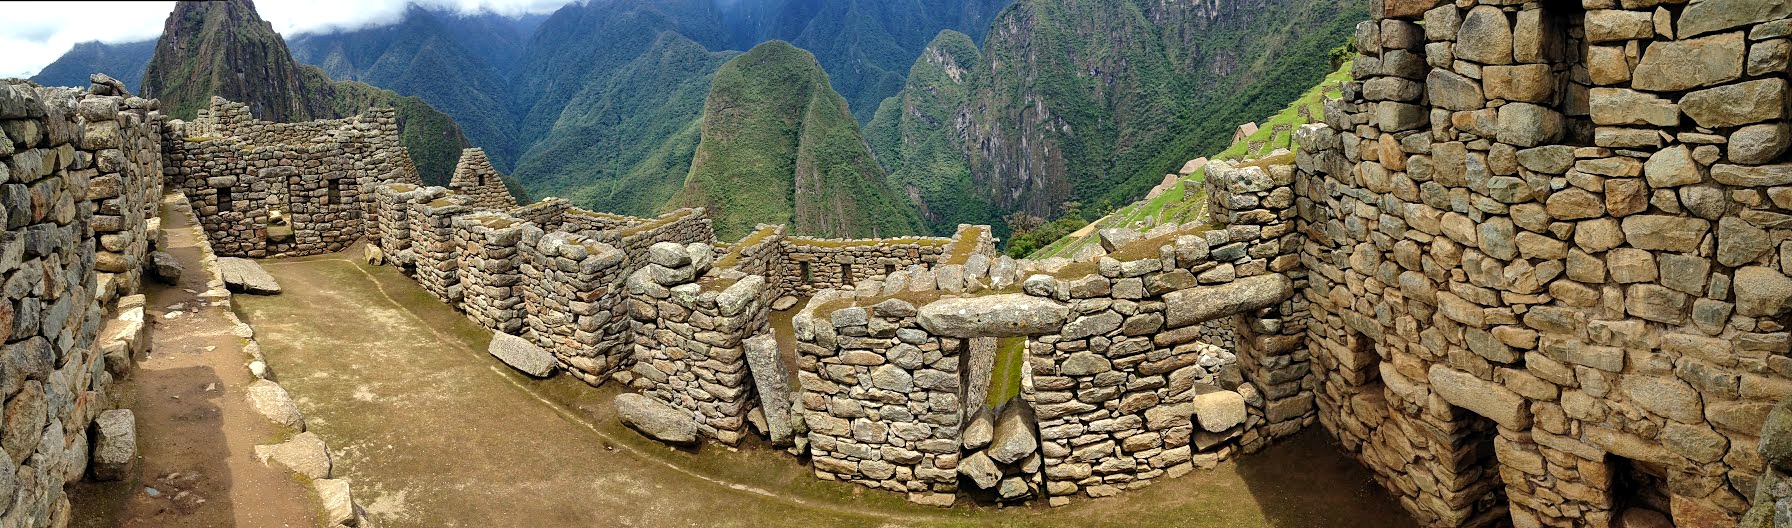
[435, 256]
[490, 277]
[575, 305]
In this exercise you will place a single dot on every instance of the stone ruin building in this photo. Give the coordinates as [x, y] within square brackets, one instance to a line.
[475, 179]
[1531, 271]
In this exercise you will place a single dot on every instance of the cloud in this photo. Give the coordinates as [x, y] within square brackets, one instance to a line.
[34, 34]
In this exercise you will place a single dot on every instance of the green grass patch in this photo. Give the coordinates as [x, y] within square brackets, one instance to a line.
[1004, 381]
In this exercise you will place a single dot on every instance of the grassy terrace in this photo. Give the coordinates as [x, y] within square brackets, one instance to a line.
[967, 245]
[1313, 99]
[732, 258]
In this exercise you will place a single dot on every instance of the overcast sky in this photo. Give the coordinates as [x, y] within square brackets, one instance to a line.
[34, 34]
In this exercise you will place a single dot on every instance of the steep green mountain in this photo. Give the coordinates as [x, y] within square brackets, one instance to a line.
[919, 136]
[457, 63]
[778, 146]
[224, 48]
[867, 46]
[123, 61]
[625, 146]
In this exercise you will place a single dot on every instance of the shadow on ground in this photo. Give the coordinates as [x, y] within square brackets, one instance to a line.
[434, 432]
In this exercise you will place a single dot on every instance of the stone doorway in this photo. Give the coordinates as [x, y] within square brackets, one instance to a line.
[1639, 489]
[1477, 493]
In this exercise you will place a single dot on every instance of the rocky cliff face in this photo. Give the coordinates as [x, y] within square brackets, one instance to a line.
[1092, 100]
[920, 135]
[225, 49]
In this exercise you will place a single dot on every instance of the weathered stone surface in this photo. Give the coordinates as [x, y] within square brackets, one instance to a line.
[1776, 436]
[1528, 125]
[114, 445]
[1664, 232]
[1608, 25]
[1679, 65]
[1619, 106]
[1480, 396]
[979, 431]
[167, 268]
[1762, 292]
[1666, 396]
[338, 502]
[1006, 315]
[305, 454]
[1485, 36]
[244, 275]
[668, 254]
[1736, 104]
[1755, 176]
[272, 401]
[1204, 303]
[1757, 144]
[522, 355]
[1219, 410]
[772, 382]
[1705, 16]
[1014, 437]
[1739, 243]
[1672, 166]
[1449, 90]
[981, 470]
[656, 420]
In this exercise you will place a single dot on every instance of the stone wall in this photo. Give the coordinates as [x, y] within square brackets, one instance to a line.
[690, 334]
[819, 264]
[475, 179]
[76, 178]
[574, 304]
[1547, 257]
[486, 245]
[270, 189]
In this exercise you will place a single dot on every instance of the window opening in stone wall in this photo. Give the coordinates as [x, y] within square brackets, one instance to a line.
[808, 275]
[1637, 485]
[846, 274]
[482, 180]
[889, 268]
[224, 201]
[333, 192]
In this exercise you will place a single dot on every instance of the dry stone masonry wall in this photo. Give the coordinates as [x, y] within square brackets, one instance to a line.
[79, 173]
[1547, 257]
[283, 189]
[475, 179]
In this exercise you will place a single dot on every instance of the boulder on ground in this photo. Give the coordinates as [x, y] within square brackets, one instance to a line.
[167, 268]
[656, 420]
[339, 503]
[114, 444]
[305, 454]
[244, 275]
[373, 254]
[522, 355]
[1114, 237]
[272, 401]
[784, 303]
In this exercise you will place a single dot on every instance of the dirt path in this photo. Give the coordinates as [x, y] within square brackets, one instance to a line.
[434, 432]
[195, 428]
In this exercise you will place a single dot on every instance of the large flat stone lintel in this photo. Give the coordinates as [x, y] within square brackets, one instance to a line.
[1206, 303]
